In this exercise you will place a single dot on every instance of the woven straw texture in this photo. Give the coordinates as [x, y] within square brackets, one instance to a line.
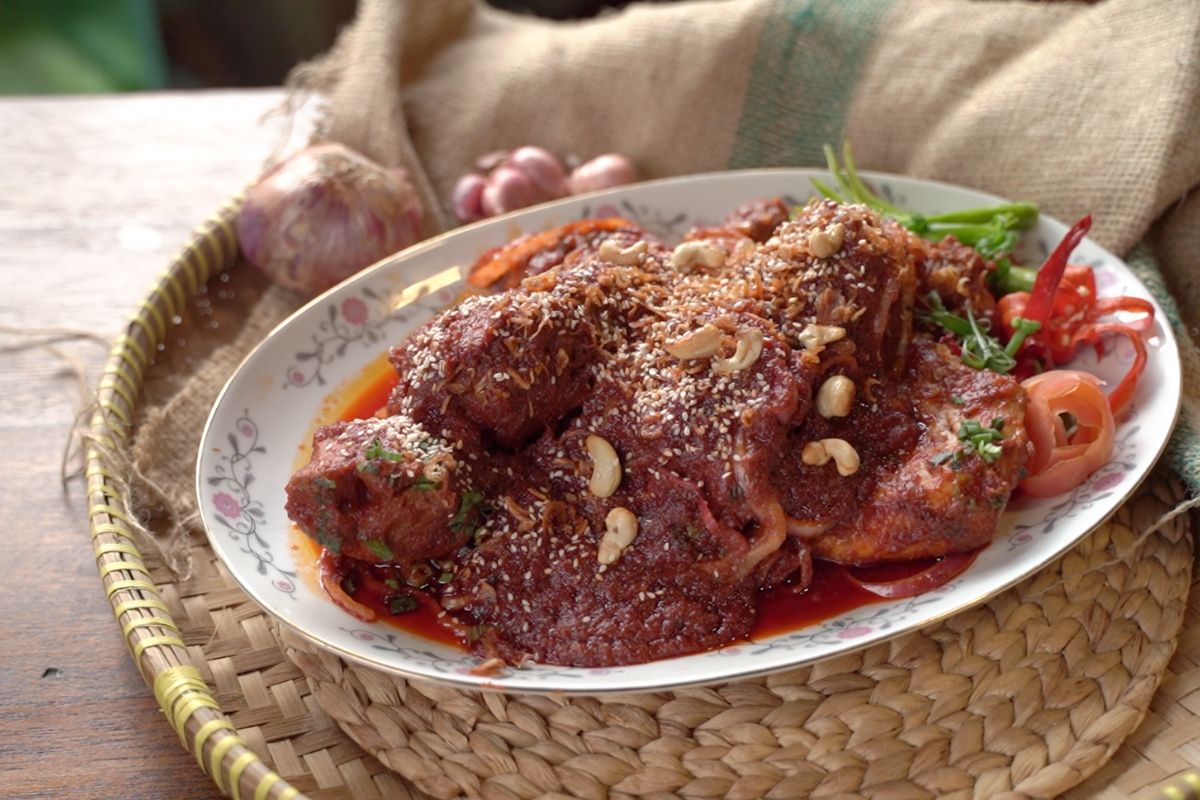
[1027, 695]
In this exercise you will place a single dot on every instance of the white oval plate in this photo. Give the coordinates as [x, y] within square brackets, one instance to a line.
[267, 410]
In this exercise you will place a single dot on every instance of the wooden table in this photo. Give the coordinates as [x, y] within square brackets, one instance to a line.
[95, 195]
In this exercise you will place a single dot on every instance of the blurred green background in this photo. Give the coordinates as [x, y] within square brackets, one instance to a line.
[87, 46]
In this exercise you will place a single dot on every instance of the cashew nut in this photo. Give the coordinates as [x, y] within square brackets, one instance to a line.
[542, 282]
[606, 466]
[835, 398]
[819, 453]
[749, 348]
[620, 528]
[700, 343]
[627, 257]
[824, 243]
[814, 336]
[689, 254]
[844, 455]
[814, 454]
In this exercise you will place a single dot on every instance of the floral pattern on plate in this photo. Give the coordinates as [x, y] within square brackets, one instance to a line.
[250, 443]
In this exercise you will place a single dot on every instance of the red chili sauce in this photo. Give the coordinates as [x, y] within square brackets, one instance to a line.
[780, 609]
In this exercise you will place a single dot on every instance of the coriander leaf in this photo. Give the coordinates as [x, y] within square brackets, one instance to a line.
[325, 483]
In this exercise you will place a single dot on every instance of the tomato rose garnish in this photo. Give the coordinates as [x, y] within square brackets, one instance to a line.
[1071, 427]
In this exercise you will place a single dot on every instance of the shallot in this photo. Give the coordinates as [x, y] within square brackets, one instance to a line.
[325, 213]
[602, 172]
[506, 181]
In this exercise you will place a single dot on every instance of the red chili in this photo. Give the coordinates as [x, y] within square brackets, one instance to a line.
[1119, 397]
[1045, 286]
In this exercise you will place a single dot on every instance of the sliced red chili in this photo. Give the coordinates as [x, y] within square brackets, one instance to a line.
[1045, 286]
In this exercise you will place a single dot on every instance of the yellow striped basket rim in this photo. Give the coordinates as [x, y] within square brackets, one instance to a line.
[151, 634]
[146, 623]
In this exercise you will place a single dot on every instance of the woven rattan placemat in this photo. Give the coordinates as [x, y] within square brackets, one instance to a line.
[1031, 693]
[1027, 695]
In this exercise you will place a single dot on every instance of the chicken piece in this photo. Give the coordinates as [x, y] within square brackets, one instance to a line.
[535, 589]
[957, 273]
[380, 490]
[500, 368]
[758, 219]
[534, 253]
[838, 266]
[941, 498]
[749, 224]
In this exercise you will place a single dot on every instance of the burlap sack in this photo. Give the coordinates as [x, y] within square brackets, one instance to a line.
[1079, 108]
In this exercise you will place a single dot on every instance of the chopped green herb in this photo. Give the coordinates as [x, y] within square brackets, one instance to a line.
[391, 583]
[470, 499]
[980, 350]
[329, 541]
[957, 400]
[445, 577]
[377, 450]
[982, 441]
[325, 483]
[942, 458]
[369, 467]
[381, 550]
[480, 536]
[423, 484]
[402, 604]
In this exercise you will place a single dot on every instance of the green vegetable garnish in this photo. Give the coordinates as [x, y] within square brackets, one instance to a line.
[445, 577]
[980, 350]
[991, 230]
[402, 605]
[329, 541]
[325, 483]
[470, 499]
[381, 550]
[377, 450]
[423, 484]
[982, 441]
